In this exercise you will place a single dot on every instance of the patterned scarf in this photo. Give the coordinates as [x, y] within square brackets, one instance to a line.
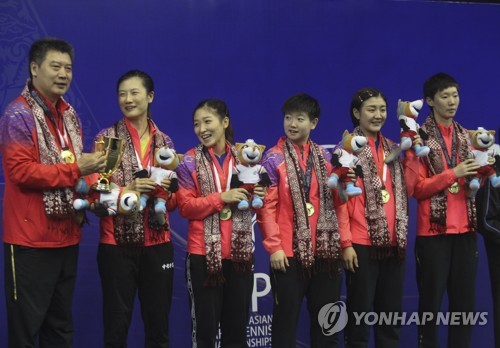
[129, 230]
[327, 235]
[58, 202]
[241, 238]
[435, 166]
[376, 220]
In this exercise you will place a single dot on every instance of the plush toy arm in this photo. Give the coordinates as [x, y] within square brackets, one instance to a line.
[358, 170]
[99, 210]
[235, 181]
[497, 161]
[264, 179]
[403, 125]
[141, 174]
[335, 160]
[82, 187]
[174, 184]
[423, 134]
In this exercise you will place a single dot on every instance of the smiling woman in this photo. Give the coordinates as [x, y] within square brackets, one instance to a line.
[374, 247]
[369, 111]
[219, 265]
[135, 252]
[210, 125]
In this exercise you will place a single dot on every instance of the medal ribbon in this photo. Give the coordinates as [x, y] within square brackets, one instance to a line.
[381, 169]
[217, 178]
[63, 138]
[140, 164]
[144, 161]
[306, 176]
[58, 125]
[451, 162]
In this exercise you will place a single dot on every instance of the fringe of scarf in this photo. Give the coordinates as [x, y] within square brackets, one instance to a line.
[327, 236]
[376, 219]
[435, 166]
[58, 203]
[241, 237]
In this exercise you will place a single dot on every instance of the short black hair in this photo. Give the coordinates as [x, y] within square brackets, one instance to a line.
[39, 49]
[438, 82]
[302, 102]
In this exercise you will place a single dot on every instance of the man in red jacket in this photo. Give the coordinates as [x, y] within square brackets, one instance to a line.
[42, 156]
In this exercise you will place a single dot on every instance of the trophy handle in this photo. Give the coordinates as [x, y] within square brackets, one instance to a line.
[113, 149]
[99, 144]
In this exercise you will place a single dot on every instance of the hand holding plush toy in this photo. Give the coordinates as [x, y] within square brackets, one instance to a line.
[248, 172]
[344, 157]
[165, 162]
[407, 115]
[484, 153]
[117, 201]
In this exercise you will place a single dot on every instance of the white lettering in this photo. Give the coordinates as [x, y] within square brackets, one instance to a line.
[484, 318]
[373, 321]
[358, 317]
[260, 278]
[443, 318]
[455, 318]
[385, 318]
[426, 317]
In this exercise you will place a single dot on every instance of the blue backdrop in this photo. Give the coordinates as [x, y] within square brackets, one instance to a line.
[253, 55]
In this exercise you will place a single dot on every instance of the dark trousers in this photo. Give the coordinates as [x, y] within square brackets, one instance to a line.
[39, 284]
[227, 304]
[124, 272]
[377, 285]
[289, 289]
[446, 263]
[493, 253]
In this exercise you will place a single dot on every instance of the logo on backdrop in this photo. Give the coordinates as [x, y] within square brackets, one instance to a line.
[332, 318]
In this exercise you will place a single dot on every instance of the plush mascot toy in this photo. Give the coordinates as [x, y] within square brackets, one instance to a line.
[344, 157]
[165, 162]
[248, 172]
[407, 115]
[117, 201]
[485, 154]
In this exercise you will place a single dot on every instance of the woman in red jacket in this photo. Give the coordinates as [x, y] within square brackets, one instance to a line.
[219, 264]
[375, 246]
[135, 251]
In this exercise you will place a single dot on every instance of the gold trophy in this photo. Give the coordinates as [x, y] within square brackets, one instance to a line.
[112, 148]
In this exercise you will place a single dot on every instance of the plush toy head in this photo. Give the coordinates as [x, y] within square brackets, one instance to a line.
[166, 158]
[129, 202]
[353, 143]
[481, 138]
[249, 152]
[410, 109]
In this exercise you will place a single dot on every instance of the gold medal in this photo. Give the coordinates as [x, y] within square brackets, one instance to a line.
[385, 196]
[310, 209]
[67, 156]
[454, 188]
[225, 213]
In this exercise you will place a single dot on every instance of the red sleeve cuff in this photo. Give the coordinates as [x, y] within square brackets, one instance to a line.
[346, 244]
